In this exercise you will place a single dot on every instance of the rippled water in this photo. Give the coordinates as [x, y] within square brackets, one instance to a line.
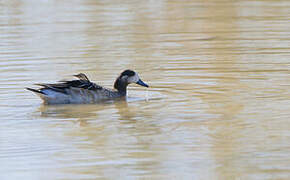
[218, 106]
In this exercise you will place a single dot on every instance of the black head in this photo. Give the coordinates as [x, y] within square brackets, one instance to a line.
[128, 77]
[128, 72]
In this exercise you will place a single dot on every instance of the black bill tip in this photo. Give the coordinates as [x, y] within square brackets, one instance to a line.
[141, 83]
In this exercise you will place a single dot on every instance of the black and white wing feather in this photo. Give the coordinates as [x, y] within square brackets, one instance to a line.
[63, 86]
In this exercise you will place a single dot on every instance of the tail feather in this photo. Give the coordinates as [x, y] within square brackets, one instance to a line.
[35, 90]
[50, 86]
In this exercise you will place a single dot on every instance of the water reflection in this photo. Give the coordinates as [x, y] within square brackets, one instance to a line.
[123, 138]
[218, 101]
[226, 144]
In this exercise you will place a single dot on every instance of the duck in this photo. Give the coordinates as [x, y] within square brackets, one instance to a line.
[83, 91]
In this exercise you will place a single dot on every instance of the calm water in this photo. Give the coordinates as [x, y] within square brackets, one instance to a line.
[218, 106]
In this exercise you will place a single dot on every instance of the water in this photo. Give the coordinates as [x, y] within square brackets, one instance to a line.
[218, 105]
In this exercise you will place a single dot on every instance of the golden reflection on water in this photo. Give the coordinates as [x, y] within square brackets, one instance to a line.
[225, 141]
[217, 106]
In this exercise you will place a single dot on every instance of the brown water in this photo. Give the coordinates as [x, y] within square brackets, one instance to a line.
[218, 106]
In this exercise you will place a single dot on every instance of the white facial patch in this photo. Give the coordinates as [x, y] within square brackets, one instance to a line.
[133, 79]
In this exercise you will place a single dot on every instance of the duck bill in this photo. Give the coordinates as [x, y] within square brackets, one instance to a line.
[141, 83]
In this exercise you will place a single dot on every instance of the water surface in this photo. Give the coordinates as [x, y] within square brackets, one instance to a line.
[218, 105]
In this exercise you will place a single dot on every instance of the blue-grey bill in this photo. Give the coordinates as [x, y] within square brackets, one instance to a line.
[141, 83]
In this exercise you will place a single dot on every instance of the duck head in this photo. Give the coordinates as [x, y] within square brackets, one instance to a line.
[127, 77]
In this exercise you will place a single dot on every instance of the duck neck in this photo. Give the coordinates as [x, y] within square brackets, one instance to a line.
[121, 86]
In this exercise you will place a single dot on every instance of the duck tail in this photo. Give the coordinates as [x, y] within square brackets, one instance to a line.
[35, 91]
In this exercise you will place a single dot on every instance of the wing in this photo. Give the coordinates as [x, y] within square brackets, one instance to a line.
[63, 86]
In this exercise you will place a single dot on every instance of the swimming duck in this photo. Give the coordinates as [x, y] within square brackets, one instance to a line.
[83, 91]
